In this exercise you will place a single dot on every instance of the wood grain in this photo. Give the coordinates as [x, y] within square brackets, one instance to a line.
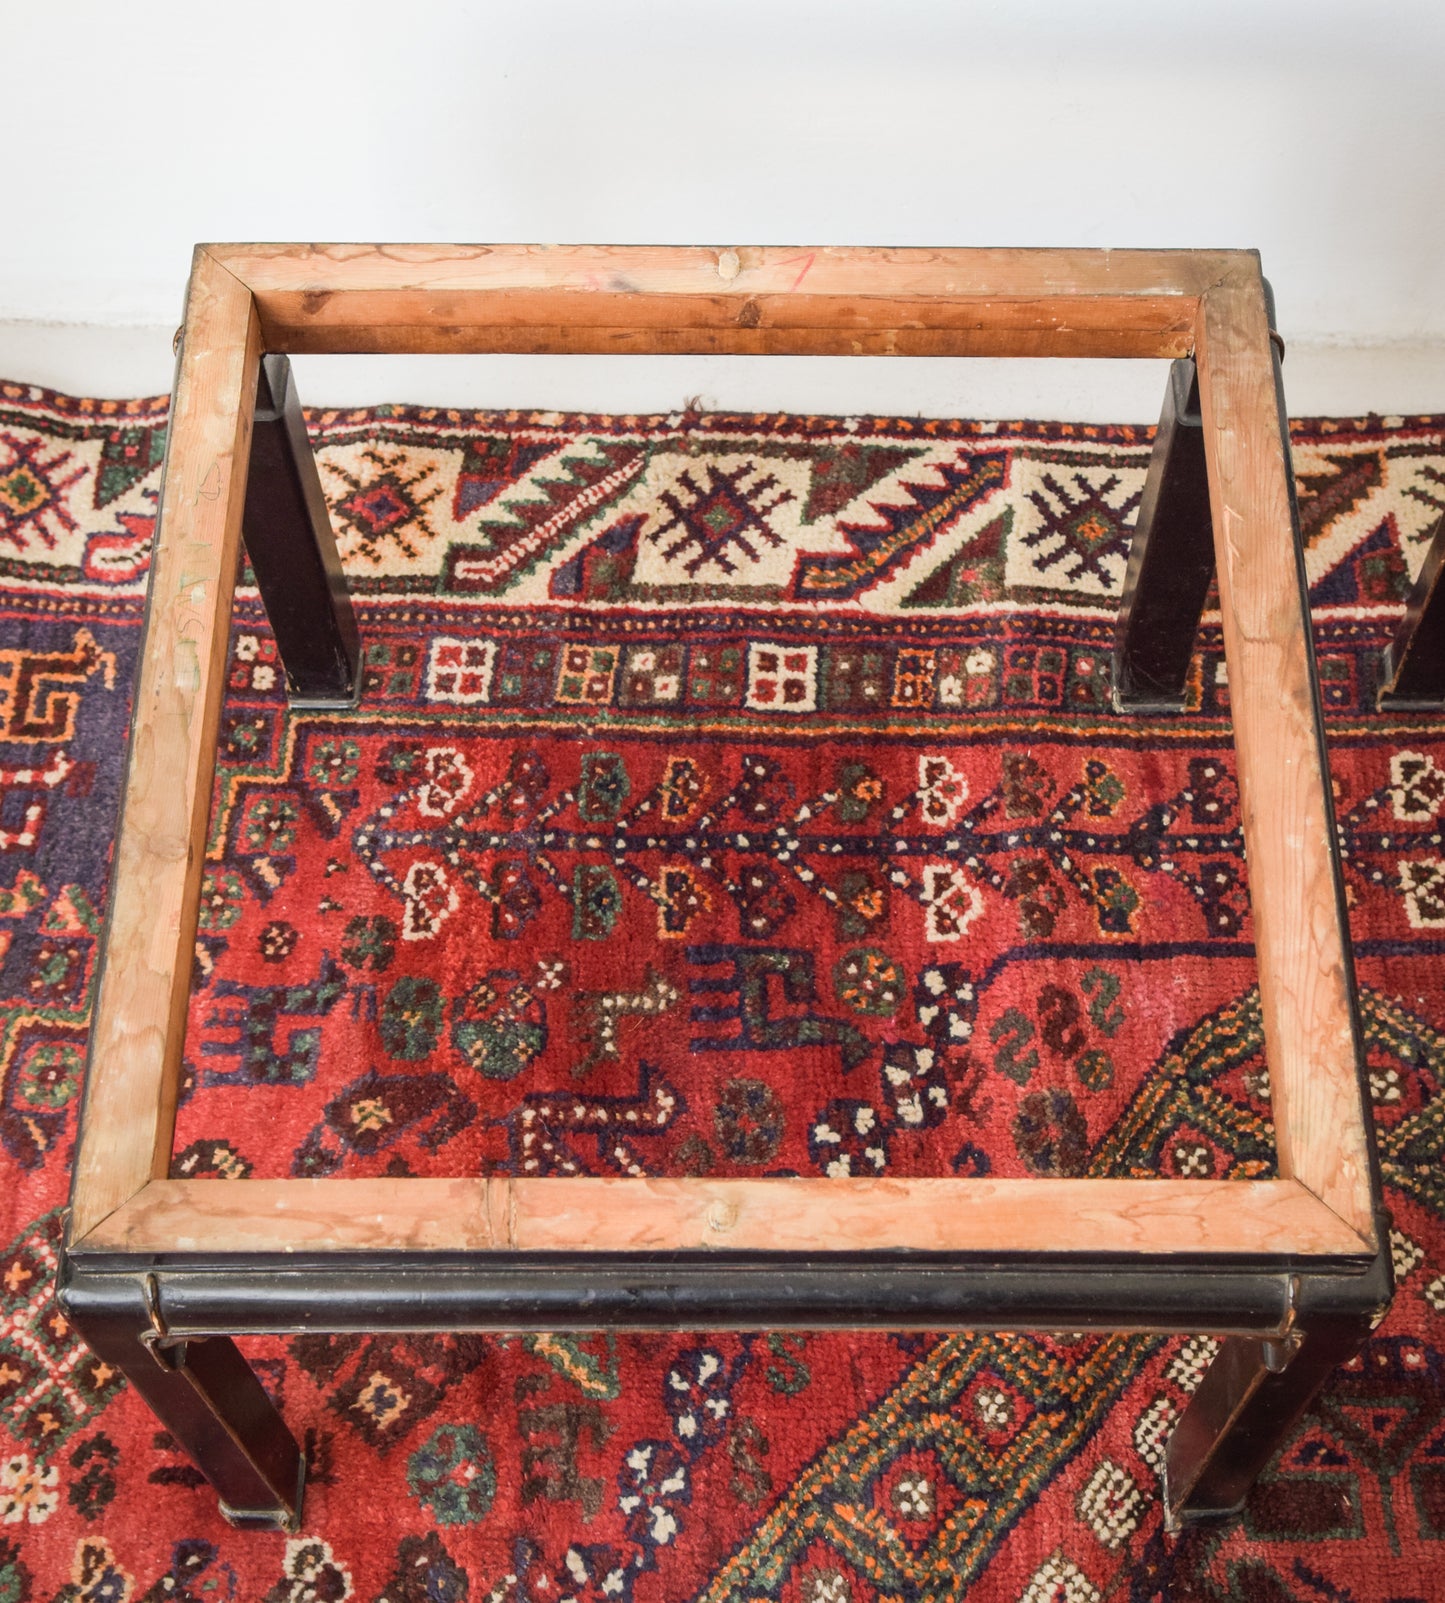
[1300, 940]
[454, 336]
[773, 300]
[139, 1022]
[1223, 1218]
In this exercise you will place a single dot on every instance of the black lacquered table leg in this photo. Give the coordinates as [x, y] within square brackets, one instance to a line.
[209, 1399]
[293, 550]
[1415, 662]
[1171, 559]
[1254, 1391]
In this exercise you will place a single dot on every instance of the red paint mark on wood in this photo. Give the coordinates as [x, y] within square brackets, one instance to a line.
[807, 262]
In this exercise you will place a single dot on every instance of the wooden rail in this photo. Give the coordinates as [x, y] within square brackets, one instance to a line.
[1197, 1217]
[138, 1027]
[752, 301]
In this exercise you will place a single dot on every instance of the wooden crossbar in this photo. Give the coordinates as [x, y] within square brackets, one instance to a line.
[1196, 1218]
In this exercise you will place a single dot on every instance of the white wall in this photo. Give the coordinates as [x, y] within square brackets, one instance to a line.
[1312, 129]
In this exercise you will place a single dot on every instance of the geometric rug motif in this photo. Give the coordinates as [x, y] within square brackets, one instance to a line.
[732, 795]
[921, 1491]
[50, 1383]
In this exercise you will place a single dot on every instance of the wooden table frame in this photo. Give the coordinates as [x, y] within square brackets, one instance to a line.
[159, 1274]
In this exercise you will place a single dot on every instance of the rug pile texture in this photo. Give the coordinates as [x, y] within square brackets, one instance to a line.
[730, 795]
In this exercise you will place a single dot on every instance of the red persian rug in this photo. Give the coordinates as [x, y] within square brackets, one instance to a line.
[731, 795]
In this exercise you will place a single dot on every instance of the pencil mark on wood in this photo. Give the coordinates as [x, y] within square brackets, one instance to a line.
[209, 488]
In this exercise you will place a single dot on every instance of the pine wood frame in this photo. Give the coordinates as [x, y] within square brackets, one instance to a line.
[248, 299]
